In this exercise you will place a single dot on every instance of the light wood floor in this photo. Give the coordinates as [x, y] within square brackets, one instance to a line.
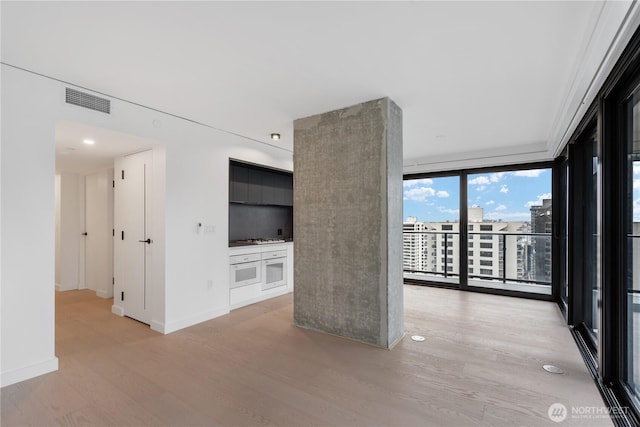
[480, 365]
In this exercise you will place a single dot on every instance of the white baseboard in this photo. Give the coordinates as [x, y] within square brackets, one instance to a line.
[116, 309]
[58, 287]
[103, 294]
[275, 292]
[157, 326]
[185, 322]
[22, 374]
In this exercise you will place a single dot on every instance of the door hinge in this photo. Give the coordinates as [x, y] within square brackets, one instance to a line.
[113, 232]
[113, 280]
[122, 174]
[122, 296]
[113, 183]
[122, 234]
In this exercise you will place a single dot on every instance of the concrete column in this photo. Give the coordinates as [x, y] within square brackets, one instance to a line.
[348, 222]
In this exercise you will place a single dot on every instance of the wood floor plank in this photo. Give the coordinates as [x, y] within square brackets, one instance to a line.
[480, 365]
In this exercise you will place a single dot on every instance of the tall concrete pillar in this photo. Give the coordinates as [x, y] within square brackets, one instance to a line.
[348, 222]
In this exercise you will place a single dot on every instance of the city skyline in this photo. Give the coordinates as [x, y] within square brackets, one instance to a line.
[506, 196]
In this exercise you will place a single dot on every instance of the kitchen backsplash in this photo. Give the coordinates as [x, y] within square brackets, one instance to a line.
[255, 221]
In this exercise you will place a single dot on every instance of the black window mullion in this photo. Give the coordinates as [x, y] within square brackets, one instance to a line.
[464, 232]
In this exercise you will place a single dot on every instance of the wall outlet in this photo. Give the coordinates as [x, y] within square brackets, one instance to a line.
[209, 284]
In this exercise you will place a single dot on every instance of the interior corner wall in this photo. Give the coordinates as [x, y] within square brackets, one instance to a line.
[347, 222]
[193, 187]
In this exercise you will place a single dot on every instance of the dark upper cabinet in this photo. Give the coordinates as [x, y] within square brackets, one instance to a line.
[260, 186]
[238, 183]
[254, 193]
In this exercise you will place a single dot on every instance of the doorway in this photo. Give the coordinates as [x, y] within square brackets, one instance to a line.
[85, 207]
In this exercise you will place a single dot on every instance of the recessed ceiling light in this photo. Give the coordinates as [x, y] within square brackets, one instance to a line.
[275, 136]
[88, 141]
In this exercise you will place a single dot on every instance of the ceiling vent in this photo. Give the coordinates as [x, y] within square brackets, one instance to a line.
[82, 99]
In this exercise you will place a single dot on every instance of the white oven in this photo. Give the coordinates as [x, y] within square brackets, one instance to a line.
[274, 269]
[244, 270]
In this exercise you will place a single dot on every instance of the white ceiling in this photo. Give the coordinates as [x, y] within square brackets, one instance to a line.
[471, 77]
[74, 156]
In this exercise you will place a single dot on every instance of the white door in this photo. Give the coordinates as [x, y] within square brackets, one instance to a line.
[98, 232]
[132, 242]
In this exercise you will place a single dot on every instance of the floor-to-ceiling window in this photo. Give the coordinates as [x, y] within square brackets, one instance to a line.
[509, 230]
[601, 208]
[585, 225]
[483, 230]
[632, 242]
[431, 233]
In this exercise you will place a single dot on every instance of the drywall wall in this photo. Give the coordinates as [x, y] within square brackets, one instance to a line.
[98, 225]
[190, 277]
[69, 239]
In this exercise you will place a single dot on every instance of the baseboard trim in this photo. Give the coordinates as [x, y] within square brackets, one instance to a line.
[116, 309]
[157, 326]
[28, 372]
[103, 294]
[185, 322]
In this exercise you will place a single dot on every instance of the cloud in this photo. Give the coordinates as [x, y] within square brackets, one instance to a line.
[523, 216]
[481, 180]
[495, 177]
[636, 183]
[413, 182]
[419, 194]
[442, 194]
[490, 202]
[504, 189]
[481, 188]
[449, 211]
[636, 168]
[500, 208]
[538, 202]
[533, 173]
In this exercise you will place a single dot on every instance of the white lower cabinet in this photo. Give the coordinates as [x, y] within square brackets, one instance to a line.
[259, 272]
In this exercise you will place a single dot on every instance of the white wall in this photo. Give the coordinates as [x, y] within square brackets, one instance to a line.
[57, 230]
[99, 224]
[69, 240]
[196, 184]
[27, 277]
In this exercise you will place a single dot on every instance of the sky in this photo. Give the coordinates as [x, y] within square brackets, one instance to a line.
[504, 196]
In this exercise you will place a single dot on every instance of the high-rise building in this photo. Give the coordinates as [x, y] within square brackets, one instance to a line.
[541, 222]
[495, 248]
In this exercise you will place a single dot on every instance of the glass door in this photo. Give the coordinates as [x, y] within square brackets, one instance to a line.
[584, 217]
[632, 242]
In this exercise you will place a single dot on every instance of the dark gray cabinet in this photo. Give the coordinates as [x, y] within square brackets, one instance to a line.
[259, 186]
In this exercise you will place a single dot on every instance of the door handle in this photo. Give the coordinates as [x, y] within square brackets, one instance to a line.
[148, 241]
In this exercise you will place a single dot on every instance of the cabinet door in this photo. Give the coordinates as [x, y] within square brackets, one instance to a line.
[280, 189]
[239, 188]
[269, 189]
[254, 192]
[288, 190]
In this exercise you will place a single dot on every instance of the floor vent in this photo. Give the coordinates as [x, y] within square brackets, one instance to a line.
[82, 99]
